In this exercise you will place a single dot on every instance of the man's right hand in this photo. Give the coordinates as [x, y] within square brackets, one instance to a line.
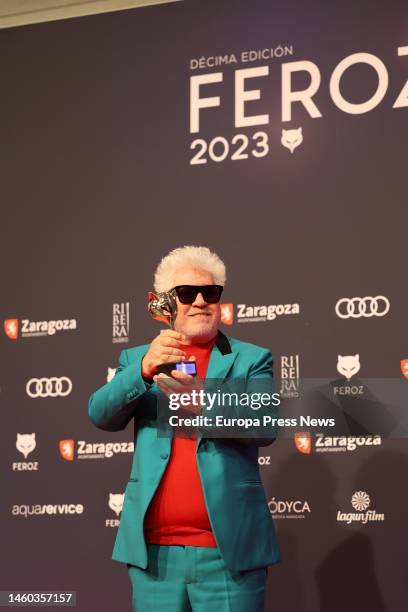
[163, 349]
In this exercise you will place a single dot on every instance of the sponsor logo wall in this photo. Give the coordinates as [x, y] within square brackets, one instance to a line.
[286, 157]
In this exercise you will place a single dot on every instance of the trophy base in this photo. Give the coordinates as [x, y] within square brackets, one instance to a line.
[189, 367]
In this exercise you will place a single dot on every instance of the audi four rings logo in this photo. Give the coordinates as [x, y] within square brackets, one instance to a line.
[49, 387]
[368, 306]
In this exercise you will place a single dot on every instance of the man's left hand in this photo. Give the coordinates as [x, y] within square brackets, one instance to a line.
[180, 382]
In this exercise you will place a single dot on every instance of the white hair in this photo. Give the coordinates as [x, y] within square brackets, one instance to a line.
[195, 256]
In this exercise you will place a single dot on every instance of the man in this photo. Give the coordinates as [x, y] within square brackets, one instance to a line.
[195, 532]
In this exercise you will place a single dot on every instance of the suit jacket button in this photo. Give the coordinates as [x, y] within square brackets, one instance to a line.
[164, 455]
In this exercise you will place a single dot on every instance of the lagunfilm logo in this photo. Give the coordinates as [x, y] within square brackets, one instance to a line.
[93, 450]
[216, 79]
[30, 328]
[25, 444]
[360, 501]
[289, 509]
[115, 503]
[265, 312]
[289, 376]
[348, 366]
[120, 322]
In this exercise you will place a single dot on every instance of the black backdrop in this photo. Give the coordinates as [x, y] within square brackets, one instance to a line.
[97, 185]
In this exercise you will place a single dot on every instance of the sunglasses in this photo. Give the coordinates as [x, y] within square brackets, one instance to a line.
[188, 293]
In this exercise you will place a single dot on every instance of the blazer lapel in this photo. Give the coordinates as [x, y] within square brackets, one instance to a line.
[220, 363]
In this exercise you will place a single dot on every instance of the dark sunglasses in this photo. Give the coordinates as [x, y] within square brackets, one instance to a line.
[188, 293]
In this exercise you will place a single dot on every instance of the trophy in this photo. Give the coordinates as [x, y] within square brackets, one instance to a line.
[163, 307]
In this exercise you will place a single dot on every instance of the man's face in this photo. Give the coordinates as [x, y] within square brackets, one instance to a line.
[199, 320]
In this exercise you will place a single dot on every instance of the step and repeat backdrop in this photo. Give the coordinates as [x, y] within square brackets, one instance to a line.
[276, 134]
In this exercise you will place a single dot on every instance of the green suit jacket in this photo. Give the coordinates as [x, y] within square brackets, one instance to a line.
[233, 491]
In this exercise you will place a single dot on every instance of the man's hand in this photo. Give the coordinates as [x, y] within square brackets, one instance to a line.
[180, 382]
[163, 349]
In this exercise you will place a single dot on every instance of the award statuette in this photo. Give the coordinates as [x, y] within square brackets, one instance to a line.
[163, 307]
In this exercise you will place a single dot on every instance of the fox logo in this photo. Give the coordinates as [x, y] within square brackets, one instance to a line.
[116, 502]
[292, 138]
[26, 443]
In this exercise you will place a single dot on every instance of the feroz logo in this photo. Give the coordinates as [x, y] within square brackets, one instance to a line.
[357, 307]
[25, 444]
[241, 146]
[66, 449]
[11, 328]
[348, 366]
[49, 387]
[292, 138]
[303, 442]
[120, 323]
[227, 314]
[116, 502]
[404, 367]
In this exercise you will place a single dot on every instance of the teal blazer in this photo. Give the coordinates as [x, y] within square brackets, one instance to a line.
[233, 491]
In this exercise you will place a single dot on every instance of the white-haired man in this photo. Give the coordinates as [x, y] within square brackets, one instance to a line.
[196, 532]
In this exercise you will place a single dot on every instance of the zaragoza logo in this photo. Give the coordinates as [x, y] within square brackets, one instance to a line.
[11, 328]
[227, 314]
[404, 367]
[303, 442]
[66, 448]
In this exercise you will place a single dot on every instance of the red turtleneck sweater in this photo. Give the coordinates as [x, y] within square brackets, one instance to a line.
[177, 513]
